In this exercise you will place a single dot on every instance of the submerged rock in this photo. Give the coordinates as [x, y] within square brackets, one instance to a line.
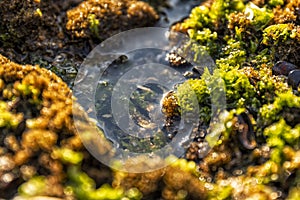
[104, 18]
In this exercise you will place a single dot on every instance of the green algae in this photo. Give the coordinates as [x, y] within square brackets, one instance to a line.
[84, 187]
[34, 187]
[7, 119]
[246, 40]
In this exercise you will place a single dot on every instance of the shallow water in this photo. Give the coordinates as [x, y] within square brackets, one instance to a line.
[176, 11]
[66, 64]
[170, 12]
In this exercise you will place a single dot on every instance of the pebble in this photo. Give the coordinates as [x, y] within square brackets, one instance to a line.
[283, 68]
[294, 78]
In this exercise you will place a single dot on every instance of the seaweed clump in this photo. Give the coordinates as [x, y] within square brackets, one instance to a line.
[41, 153]
[102, 19]
[259, 139]
[244, 28]
[42, 103]
[180, 180]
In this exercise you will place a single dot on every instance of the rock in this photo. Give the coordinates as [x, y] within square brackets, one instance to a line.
[104, 18]
[38, 135]
[294, 78]
[283, 68]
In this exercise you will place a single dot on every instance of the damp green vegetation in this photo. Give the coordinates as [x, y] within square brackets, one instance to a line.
[84, 187]
[239, 27]
[8, 119]
[261, 120]
[248, 42]
[33, 187]
[94, 24]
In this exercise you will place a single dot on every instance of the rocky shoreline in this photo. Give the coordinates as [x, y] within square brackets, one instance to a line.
[255, 45]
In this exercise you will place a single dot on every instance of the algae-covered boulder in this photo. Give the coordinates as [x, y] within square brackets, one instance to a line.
[104, 18]
[38, 139]
[36, 122]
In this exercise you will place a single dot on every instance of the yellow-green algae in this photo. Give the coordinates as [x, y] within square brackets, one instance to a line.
[102, 19]
[246, 39]
[41, 152]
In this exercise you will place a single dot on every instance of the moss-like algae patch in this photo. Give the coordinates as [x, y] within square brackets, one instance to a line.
[39, 143]
[261, 135]
[102, 19]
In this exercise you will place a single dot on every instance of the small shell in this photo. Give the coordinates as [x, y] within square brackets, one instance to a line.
[283, 68]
